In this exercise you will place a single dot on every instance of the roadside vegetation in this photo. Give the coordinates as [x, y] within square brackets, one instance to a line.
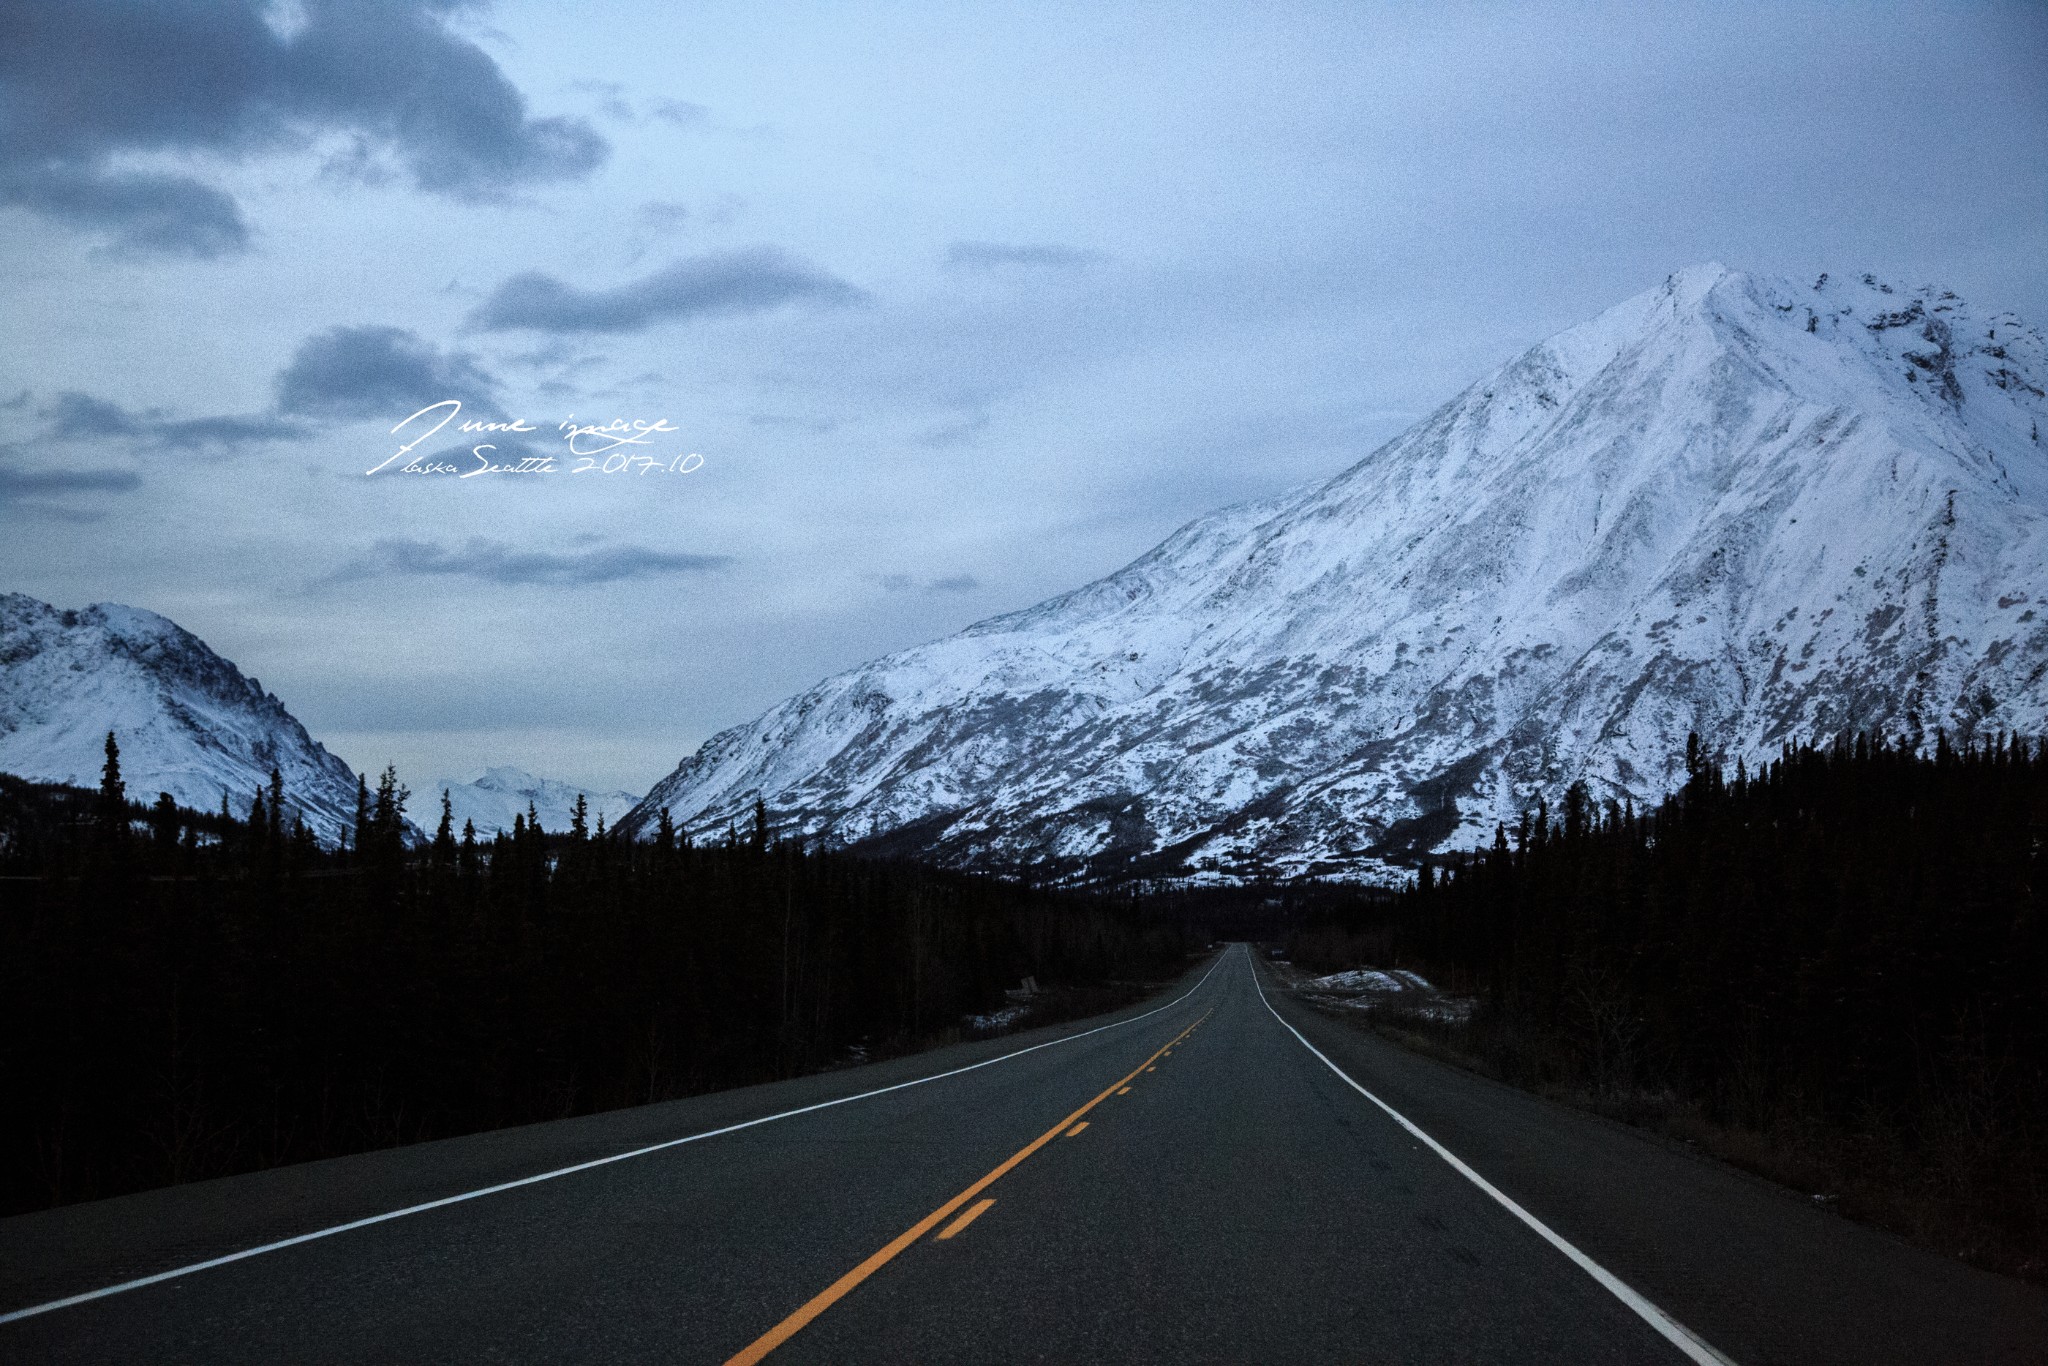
[1833, 972]
[188, 995]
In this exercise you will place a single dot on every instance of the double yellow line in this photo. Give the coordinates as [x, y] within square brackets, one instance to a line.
[833, 1293]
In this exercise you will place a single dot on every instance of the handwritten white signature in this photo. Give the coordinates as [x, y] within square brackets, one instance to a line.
[594, 447]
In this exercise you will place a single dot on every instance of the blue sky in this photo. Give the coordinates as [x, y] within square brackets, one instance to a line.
[960, 308]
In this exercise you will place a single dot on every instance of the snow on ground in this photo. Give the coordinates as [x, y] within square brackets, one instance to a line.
[997, 1021]
[1362, 979]
[1399, 992]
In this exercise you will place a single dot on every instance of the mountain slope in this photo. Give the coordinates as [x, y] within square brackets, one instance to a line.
[1739, 506]
[187, 721]
[502, 793]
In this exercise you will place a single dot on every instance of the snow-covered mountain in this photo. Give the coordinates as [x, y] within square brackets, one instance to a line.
[502, 793]
[1756, 509]
[187, 721]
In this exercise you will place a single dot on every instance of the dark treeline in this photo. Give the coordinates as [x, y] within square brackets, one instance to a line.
[186, 995]
[1264, 911]
[1846, 951]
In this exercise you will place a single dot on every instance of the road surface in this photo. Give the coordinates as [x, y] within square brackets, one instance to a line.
[1220, 1175]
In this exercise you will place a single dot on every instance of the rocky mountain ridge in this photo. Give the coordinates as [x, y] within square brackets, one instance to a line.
[187, 721]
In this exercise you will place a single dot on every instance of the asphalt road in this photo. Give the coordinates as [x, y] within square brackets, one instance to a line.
[1193, 1180]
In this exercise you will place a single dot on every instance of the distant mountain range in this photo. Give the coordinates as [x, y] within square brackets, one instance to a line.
[190, 723]
[1745, 507]
[1756, 509]
[502, 793]
[187, 721]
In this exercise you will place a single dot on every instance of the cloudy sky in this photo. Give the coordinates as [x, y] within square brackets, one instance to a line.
[959, 307]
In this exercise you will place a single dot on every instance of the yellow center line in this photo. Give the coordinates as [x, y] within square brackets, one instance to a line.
[1123, 1090]
[833, 1293]
[1077, 1128]
[974, 1211]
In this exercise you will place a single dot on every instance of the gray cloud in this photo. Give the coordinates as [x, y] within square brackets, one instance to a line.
[225, 431]
[378, 372]
[951, 583]
[74, 416]
[16, 484]
[816, 426]
[960, 432]
[703, 286]
[43, 493]
[613, 104]
[143, 214]
[84, 82]
[497, 562]
[342, 374]
[681, 113]
[994, 255]
[662, 215]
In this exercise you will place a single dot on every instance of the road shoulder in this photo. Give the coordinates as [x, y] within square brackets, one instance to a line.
[1752, 1268]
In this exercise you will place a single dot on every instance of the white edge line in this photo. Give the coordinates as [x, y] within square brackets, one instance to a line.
[282, 1243]
[1681, 1337]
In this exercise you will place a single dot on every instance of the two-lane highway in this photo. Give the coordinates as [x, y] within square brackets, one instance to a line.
[1234, 1199]
[1206, 1178]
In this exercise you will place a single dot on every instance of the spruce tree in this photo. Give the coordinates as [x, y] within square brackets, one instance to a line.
[444, 834]
[387, 822]
[1576, 800]
[361, 834]
[113, 799]
[163, 823]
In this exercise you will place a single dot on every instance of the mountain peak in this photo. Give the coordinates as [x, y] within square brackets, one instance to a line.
[134, 622]
[507, 779]
[1689, 286]
[504, 793]
[188, 721]
[1755, 509]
